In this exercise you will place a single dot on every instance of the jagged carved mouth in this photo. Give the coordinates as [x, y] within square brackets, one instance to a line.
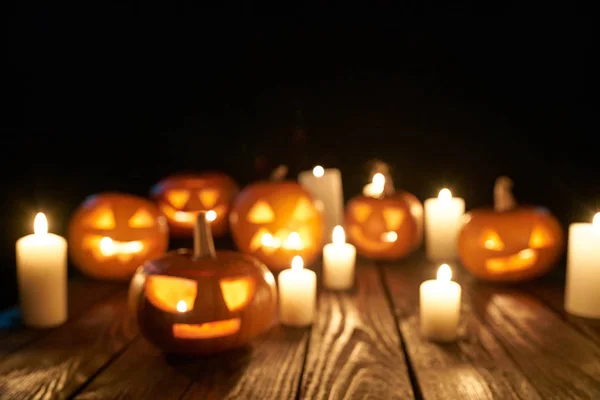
[103, 247]
[189, 217]
[522, 260]
[207, 330]
[387, 239]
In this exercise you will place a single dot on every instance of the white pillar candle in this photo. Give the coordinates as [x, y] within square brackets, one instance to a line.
[297, 294]
[440, 306]
[326, 186]
[42, 276]
[582, 292]
[339, 259]
[443, 220]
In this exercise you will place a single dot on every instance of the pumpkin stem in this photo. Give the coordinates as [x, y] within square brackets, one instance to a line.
[503, 197]
[279, 173]
[204, 245]
[380, 167]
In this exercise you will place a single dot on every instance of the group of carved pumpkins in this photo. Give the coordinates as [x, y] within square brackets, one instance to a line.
[204, 301]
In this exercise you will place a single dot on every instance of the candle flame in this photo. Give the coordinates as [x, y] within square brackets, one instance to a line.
[211, 215]
[445, 195]
[181, 306]
[444, 273]
[376, 187]
[596, 220]
[40, 224]
[378, 180]
[338, 236]
[267, 240]
[318, 171]
[297, 263]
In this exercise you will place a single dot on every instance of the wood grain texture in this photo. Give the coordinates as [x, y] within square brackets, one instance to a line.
[560, 361]
[82, 293]
[354, 349]
[474, 367]
[269, 369]
[60, 362]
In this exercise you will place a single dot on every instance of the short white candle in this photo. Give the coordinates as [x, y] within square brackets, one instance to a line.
[582, 293]
[440, 306]
[443, 220]
[326, 186]
[297, 294]
[339, 259]
[42, 276]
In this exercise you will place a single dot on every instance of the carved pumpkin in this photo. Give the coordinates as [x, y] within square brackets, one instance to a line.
[203, 301]
[111, 234]
[382, 223]
[509, 243]
[182, 197]
[277, 220]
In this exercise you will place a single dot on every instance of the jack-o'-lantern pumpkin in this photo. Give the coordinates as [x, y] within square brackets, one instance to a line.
[509, 243]
[111, 234]
[384, 224]
[277, 220]
[203, 301]
[182, 197]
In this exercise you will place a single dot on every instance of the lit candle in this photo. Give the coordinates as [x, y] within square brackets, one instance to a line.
[42, 276]
[326, 185]
[376, 187]
[582, 293]
[297, 294]
[339, 258]
[443, 220]
[440, 306]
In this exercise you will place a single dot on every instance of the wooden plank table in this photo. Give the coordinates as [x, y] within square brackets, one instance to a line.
[515, 342]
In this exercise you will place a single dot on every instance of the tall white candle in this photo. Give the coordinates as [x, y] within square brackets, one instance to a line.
[326, 186]
[582, 292]
[440, 306]
[443, 220]
[297, 294]
[339, 259]
[42, 276]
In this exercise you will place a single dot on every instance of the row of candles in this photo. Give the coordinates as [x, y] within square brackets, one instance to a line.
[41, 262]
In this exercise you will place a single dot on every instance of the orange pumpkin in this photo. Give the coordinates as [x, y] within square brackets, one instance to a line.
[509, 243]
[203, 301]
[384, 224]
[277, 220]
[182, 197]
[111, 234]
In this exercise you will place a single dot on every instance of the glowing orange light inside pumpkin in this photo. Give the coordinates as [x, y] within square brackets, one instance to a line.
[178, 198]
[141, 219]
[208, 197]
[389, 237]
[520, 261]
[393, 217]
[261, 213]
[207, 330]
[492, 241]
[181, 306]
[540, 237]
[168, 292]
[211, 215]
[236, 292]
[293, 242]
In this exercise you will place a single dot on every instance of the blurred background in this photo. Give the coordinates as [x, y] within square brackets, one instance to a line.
[114, 98]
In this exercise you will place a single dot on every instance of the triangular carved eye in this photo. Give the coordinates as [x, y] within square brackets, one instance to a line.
[393, 218]
[540, 237]
[491, 240]
[101, 218]
[361, 212]
[141, 219]
[178, 198]
[261, 213]
[304, 210]
[237, 292]
[208, 197]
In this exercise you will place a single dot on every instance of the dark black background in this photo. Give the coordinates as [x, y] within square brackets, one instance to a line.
[102, 97]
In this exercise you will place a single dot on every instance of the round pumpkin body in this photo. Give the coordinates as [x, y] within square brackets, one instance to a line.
[181, 197]
[111, 234]
[510, 246]
[275, 221]
[385, 228]
[203, 305]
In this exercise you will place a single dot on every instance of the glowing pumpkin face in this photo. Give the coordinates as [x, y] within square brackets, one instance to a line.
[181, 197]
[204, 305]
[275, 221]
[385, 228]
[510, 246]
[111, 234]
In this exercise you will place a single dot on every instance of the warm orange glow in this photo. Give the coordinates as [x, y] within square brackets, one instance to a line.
[523, 260]
[141, 219]
[361, 211]
[211, 215]
[177, 198]
[237, 292]
[293, 242]
[492, 241]
[166, 292]
[261, 213]
[208, 197]
[189, 217]
[318, 171]
[540, 237]
[393, 217]
[444, 273]
[101, 218]
[370, 244]
[181, 306]
[297, 263]
[389, 237]
[40, 224]
[304, 210]
[207, 330]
